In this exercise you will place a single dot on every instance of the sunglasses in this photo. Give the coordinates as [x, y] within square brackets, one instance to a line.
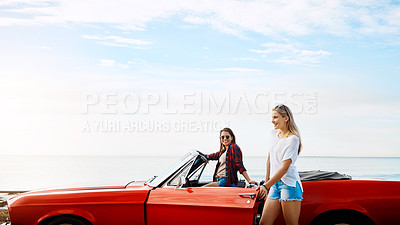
[227, 137]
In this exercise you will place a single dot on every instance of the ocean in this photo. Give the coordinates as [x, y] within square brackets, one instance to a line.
[23, 173]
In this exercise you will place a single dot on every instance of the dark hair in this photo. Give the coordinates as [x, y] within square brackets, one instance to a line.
[226, 129]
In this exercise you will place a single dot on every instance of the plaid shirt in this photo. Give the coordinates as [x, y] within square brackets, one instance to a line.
[234, 163]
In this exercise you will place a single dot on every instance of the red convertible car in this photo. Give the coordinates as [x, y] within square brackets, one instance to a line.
[177, 197]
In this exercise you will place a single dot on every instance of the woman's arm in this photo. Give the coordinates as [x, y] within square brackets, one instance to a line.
[263, 190]
[279, 174]
[239, 164]
[268, 168]
[246, 176]
[213, 156]
[237, 158]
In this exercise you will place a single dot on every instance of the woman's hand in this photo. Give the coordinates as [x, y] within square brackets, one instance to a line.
[263, 191]
[253, 182]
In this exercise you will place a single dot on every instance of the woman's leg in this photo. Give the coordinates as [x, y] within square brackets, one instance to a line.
[212, 184]
[271, 211]
[291, 212]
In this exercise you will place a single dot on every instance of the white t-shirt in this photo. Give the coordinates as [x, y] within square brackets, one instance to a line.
[281, 149]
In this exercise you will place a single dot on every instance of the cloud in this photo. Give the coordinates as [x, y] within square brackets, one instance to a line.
[28, 2]
[118, 41]
[303, 17]
[137, 62]
[133, 63]
[107, 63]
[45, 47]
[289, 54]
[238, 69]
[274, 48]
[245, 59]
[114, 63]
[304, 57]
[216, 23]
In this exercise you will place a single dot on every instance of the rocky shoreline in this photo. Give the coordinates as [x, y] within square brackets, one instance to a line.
[4, 195]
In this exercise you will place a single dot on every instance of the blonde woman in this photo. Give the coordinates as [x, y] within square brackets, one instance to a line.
[282, 179]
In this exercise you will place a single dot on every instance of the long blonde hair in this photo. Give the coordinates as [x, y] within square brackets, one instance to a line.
[283, 110]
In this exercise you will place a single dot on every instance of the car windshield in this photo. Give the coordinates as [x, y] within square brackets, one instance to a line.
[156, 181]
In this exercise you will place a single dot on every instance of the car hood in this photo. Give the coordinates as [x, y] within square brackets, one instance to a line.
[80, 188]
[70, 195]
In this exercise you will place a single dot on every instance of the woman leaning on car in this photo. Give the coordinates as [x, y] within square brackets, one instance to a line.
[282, 179]
[229, 163]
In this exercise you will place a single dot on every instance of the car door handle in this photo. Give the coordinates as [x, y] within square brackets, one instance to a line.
[247, 195]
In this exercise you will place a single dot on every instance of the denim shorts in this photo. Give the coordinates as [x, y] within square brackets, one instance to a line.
[222, 182]
[285, 193]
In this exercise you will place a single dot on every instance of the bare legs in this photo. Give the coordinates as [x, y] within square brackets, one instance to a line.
[272, 209]
[212, 184]
[291, 212]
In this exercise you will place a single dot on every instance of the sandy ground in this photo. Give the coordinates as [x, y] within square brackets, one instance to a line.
[3, 215]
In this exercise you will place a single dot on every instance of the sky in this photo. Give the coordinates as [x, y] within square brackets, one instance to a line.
[162, 77]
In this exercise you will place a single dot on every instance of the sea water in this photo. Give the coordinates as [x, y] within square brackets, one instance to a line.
[21, 173]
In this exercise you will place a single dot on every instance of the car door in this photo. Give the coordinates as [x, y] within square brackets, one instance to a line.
[201, 205]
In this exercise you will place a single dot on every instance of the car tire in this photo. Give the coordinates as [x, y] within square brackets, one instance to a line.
[66, 220]
[339, 219]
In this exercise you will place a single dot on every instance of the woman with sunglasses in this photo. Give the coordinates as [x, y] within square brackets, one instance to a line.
[282, 179]
[229, 163]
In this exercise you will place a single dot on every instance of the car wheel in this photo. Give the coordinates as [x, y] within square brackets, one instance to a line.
[339, 219]
[66, 221]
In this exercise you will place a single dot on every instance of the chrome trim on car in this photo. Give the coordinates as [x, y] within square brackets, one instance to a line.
[249, 195]
[173, 170]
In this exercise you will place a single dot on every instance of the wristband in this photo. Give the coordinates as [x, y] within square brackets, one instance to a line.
[265, 187]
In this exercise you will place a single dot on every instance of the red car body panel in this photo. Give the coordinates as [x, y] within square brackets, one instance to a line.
[162, 201]
[378, 200]
[98, 206]
[201, 206]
